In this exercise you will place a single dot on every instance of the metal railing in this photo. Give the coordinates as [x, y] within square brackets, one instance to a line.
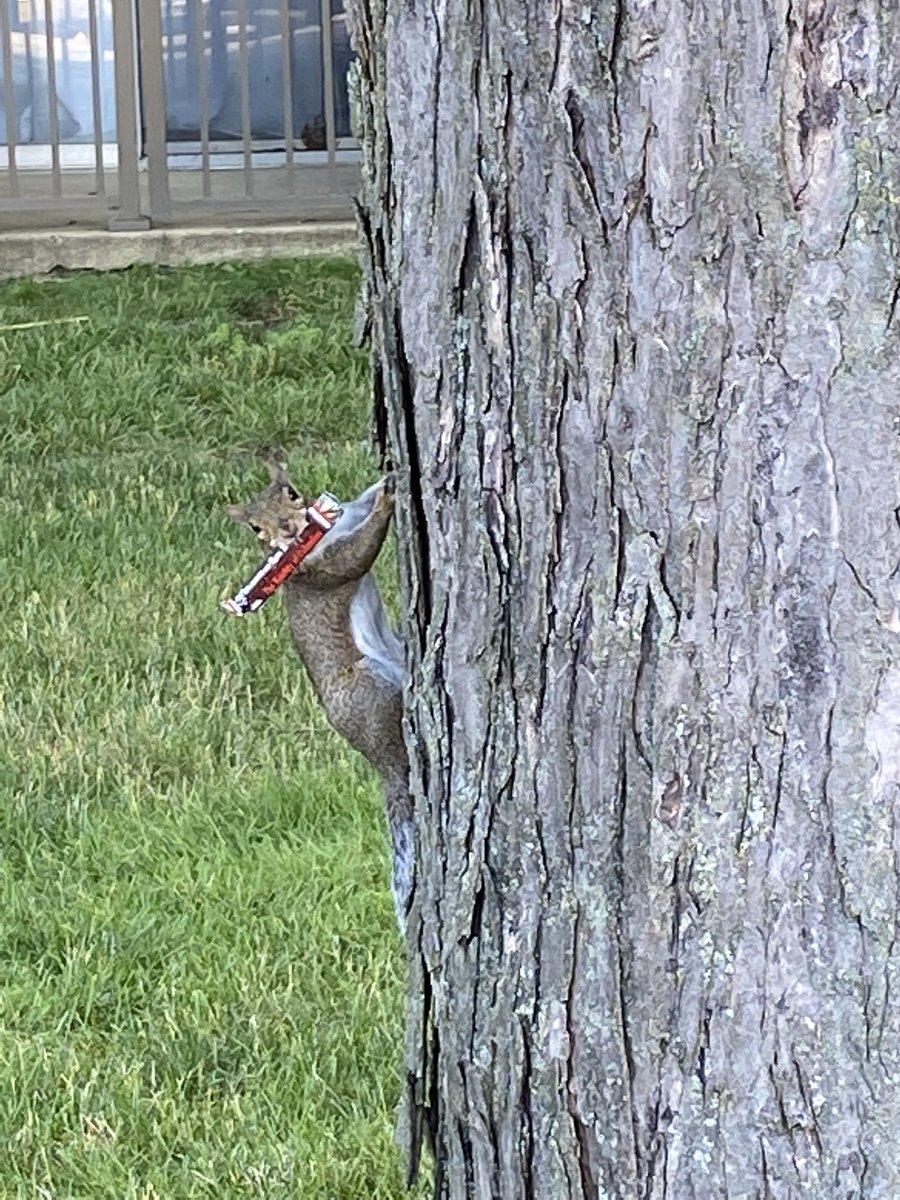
[155, 111]
[56, 62]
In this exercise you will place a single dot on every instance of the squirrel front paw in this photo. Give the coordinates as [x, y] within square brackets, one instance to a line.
[384, 501]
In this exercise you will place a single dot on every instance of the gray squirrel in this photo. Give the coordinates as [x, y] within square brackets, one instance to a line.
[344, 639]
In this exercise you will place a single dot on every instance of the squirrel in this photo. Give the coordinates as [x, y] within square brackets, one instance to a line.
[343, 636]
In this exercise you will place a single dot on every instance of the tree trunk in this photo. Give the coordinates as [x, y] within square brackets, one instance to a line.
[632, 278]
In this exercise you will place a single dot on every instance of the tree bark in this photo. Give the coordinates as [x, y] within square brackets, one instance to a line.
[632, 277]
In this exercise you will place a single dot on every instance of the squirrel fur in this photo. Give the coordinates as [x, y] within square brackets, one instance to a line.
[343, 636]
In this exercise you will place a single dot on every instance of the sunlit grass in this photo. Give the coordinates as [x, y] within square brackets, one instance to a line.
[200, 976]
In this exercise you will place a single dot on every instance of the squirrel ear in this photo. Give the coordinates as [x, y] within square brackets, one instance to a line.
[237, 512]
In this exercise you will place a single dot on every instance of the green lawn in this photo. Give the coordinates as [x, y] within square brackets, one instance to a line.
[200, 975]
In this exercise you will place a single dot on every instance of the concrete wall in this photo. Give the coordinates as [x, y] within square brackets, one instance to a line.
[38, 252]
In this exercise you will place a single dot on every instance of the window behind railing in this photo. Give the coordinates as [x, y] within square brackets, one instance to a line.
[207, 94]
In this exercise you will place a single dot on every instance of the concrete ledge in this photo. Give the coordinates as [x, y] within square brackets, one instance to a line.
[38, 253]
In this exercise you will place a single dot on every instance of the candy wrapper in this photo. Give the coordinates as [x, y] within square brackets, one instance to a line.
[281, 564]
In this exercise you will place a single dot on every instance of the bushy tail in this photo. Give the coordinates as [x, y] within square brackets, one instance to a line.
[403, 848]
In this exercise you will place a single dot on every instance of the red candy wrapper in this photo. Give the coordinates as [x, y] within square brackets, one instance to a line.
[281, 564]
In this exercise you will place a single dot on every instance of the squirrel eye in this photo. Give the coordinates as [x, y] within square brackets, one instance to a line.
[255, 527]
[291, 493]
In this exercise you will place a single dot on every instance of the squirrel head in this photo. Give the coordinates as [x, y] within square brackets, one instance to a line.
[277, 514]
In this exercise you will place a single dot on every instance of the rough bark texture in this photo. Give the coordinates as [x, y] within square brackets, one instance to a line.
[632, 286]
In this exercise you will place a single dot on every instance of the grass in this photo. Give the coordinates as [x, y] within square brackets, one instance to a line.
[200, 976]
